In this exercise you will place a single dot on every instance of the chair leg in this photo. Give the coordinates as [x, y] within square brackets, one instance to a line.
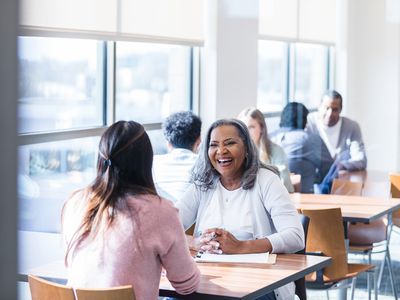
[381, 268]
[342, 290]
[375, 284]
[389, 262]
[369, 277]
[369, 284]
[353, 287]
[327, 294]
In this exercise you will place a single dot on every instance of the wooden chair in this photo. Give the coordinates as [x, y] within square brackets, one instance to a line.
[344, 187]
[326, 237]
[42, 289]
[190, 230]
[368, 239]
[395, 192]
[117, 293]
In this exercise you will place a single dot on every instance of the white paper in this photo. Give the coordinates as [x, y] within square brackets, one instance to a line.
[234, 258]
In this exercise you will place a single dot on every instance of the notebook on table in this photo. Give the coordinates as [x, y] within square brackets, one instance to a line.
[258, 258]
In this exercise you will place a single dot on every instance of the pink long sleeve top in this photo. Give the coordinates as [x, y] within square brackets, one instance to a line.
[145, 236]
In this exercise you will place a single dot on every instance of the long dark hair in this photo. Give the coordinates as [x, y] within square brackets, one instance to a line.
[265, 142]
[294, 116]
[124, 166]
[204, 175]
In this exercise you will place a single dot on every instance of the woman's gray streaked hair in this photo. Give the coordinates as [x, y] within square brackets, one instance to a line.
[205, 176]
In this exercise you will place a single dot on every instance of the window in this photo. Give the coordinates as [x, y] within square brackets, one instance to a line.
[272, 75]
[48, 174]
[152, 81]
[291, 72]
[60, 84]
[311, 73]
[67, 100]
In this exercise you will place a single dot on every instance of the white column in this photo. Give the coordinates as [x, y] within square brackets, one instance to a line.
[373, 77]
[229, 70]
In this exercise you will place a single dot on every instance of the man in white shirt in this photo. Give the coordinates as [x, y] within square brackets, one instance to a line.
[342, 136]
[172, 171]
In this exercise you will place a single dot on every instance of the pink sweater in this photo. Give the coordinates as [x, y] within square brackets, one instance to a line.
[144, 237]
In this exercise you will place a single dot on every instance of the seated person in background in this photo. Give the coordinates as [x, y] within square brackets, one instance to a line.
[269, 153]
[172, 171]
[299, 145]
[239, 201]
[341, 136]
[118, 230]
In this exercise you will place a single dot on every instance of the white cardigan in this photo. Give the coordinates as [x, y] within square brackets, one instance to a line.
[274, 216]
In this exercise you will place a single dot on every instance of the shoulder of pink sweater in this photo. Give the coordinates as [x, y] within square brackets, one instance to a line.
[151, 202]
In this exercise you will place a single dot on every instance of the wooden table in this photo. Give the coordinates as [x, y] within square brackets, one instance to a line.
[364, 176]
[354, 208]
[224, 280]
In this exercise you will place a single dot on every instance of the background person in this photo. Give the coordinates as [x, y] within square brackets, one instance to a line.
[299, 145]
[239, 199]
[172, 171]
[118, 231]
[269, 152]
[341, 135]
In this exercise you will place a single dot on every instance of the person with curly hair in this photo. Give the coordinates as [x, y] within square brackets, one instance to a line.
[172, 171]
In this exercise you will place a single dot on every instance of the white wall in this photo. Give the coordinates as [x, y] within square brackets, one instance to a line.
[368, 56]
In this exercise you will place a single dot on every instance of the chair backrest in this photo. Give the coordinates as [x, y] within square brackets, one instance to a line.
[345, 187]
[190, 230]
[395, 191]
[395, 184]
[326, 235]
[42, 289]
[117, 293]
[301, 283]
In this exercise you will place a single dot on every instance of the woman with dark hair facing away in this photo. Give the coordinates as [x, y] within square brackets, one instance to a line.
[239, 204]
[299, 145]
[118, 230]
[270, 153]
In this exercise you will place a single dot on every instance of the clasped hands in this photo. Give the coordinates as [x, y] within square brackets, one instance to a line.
[217, 241]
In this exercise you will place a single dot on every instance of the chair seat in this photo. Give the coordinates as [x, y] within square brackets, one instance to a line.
[361, 248]
[367, 234]
[353, 271]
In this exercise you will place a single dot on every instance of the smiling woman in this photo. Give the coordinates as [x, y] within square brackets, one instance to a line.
[227, 153]
[238, 201]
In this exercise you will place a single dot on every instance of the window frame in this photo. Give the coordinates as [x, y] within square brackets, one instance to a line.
[290, 65]
[109, 94]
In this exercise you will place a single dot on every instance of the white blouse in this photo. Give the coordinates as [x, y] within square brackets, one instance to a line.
[230, 210]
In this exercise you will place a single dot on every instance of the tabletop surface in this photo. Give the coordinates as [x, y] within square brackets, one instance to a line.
[365, 176]
[354, 208]
[223, 280]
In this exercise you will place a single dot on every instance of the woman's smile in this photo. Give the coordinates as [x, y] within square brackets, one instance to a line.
[226, 152]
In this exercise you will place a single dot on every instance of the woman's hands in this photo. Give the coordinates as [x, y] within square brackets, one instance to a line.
[218, 241]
